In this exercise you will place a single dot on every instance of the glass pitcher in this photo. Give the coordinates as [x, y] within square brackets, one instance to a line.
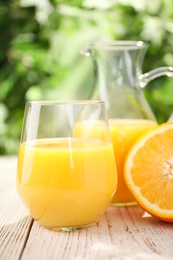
[118, 80]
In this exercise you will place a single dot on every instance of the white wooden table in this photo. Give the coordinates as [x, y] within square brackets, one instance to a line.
[122, 232]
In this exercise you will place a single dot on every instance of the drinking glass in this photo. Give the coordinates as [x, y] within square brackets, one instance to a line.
[66, 172]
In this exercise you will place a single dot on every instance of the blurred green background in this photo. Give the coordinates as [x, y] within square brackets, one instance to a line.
[40, 44]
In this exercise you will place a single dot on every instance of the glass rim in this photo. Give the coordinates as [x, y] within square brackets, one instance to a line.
[119, 44]
[65, 102]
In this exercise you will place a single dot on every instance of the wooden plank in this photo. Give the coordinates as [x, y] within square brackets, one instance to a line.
[14, 220]
[122, 233]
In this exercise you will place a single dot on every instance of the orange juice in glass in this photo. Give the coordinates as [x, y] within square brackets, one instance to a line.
[124, 133]
[66, 182]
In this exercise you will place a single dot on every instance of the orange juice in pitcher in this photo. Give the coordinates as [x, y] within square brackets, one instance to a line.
[124, 133]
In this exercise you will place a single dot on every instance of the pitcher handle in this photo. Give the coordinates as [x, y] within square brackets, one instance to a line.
[145, 78]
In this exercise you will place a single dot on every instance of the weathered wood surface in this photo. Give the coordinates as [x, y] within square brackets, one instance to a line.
[122, 233]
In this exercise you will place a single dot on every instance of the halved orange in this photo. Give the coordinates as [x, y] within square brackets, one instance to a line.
[148, 172]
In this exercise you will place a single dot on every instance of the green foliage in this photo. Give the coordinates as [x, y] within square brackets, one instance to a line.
[39, 52]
